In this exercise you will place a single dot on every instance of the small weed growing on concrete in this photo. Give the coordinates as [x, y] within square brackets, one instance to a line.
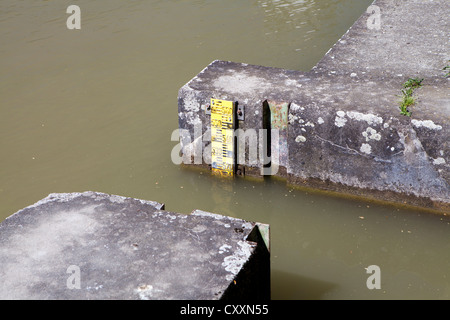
[405, 103]
[407, 98]
[413, 83]
[447, 67]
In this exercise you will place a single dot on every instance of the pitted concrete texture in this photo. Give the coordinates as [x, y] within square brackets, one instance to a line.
[97, 246]
[412, 41]
[345, 132]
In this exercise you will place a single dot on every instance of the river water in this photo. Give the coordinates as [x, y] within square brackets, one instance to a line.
[94, 109]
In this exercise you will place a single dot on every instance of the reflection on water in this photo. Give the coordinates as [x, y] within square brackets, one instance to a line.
[289, 286]
[94, 109]
[282, 16]
[296, 25]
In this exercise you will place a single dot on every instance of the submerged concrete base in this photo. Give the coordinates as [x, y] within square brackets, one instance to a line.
[343, 130]
[97, 246]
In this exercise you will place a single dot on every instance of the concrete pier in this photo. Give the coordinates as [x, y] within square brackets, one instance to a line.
[343, 130]
[96, 246]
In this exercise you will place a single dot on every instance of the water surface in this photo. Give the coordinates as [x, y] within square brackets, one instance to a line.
[94, 109]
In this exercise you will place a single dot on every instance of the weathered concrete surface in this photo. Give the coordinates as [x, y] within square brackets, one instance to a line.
[128, 249]
[344, 131]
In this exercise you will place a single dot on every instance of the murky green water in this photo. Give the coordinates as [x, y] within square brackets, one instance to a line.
[94, 109]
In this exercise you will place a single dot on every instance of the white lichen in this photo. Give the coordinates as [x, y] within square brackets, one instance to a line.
[366, 148]
[190, 102]
[224, 248]
[370, 118]
[371, 134]
[233, 263]
[245, 224]
[145, 292]
[426, 124]
[296, 107]
[340, 122]
[300, 139]
[340, 114]
[438, 161]
[292, 118]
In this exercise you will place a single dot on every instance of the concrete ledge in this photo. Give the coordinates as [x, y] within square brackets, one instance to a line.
[124, 248]
[344, 131]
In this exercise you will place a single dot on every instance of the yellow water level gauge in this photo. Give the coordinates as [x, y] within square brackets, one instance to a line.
[222, 137]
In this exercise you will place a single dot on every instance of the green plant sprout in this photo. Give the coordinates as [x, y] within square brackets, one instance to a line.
[447, 67]
[413, 83]
[407, 99]
[405, 103]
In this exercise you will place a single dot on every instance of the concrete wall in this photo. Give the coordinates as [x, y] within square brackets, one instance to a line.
[96, 246]
[343, 130]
